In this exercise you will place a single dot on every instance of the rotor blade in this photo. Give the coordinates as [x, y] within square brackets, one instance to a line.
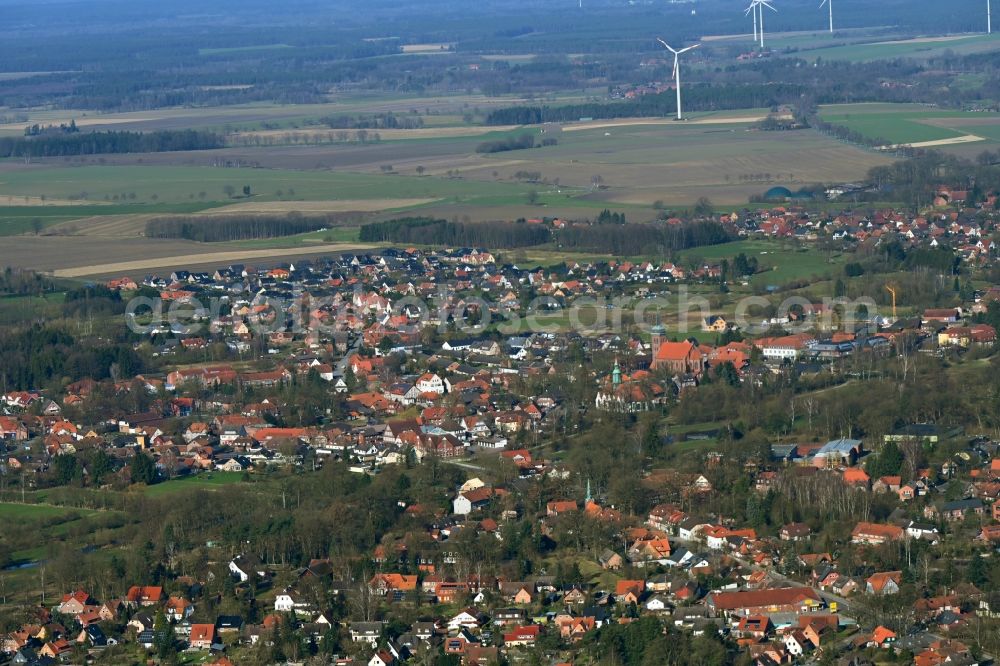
[693, 46]
[765, 4]
[822, 3]
[669, 48]
[674, 73]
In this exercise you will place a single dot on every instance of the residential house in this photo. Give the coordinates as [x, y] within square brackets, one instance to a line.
[875, 534]
[886, 582]
[202, 636]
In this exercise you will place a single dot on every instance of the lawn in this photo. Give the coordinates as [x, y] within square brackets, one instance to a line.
[782, 262]
[205, 481]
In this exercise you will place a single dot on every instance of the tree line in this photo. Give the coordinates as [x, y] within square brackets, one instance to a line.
[521, 142]
[374, 121]
[442, 232]
[94, 143]
[641, 239]
[915, 180]
[614, 236]
[236, 227]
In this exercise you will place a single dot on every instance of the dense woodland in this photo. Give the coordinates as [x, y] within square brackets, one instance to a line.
[236, 227]
[615, 237]
[640, 239]
[442, 232]
[41, 355]
[95, 143]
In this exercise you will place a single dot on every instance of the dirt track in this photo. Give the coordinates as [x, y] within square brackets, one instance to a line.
[629, 122]
[953, 141]
[220, 258]
[94, 256]
[334, 206]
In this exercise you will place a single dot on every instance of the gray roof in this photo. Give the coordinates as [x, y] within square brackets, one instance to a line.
[843, 446]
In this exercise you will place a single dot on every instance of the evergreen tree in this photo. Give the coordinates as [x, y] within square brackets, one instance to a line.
[143, 469]
[163, 636]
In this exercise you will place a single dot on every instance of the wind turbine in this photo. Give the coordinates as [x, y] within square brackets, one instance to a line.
[760, 7]
[753, 9]
[677, 69]
[829, 4]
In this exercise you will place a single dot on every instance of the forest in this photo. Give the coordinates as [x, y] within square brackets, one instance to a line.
[521, 142]
[95, 143]
[236, 227]
[37, 356]
[619, 238]
[638, 239]
[442, 232]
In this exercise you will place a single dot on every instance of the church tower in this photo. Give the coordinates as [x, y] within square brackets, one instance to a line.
[656, 339]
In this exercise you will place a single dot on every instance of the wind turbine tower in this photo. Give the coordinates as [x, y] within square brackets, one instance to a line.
[752, 9]
[677, 70]
[760, 7]
[829, 4]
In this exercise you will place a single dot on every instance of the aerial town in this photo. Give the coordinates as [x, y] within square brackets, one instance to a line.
[501, 534]
[518, 333]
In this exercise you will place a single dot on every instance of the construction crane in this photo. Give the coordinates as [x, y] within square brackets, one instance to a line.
[893, 292]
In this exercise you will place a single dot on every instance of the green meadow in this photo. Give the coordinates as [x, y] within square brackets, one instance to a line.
[911, 123]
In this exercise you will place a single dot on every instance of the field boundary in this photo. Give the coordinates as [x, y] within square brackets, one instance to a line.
[193, 259]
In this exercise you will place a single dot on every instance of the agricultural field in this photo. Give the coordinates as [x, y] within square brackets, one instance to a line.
[919, 48]
[89, 219]
[638, 162]
[261, 115]
[720, 157]
[918, 125]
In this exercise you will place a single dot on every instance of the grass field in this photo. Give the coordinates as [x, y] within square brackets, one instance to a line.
[53, 521]
[205, 481]
[914, 123]
[783, 262]
[921, 48]
[22, 219]
[312, 238]
[35, 512]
